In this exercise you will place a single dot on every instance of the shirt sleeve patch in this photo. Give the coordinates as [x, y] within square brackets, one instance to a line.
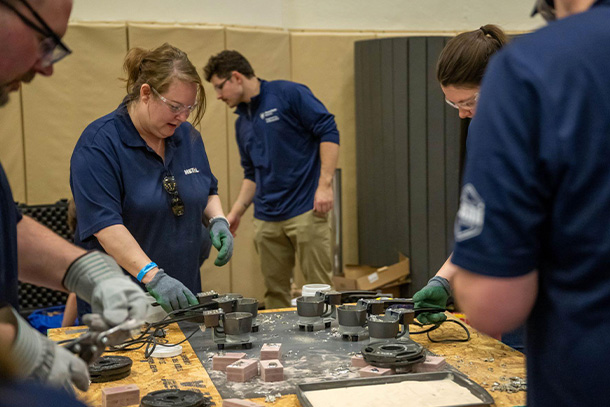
[471, 214]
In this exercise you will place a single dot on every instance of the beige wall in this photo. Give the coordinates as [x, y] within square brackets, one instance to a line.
[361, 15]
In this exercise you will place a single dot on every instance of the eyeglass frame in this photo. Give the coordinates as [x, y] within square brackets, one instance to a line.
[171, 187]
[177, 110]
[49, 44]
[221, 85]
[468, 105]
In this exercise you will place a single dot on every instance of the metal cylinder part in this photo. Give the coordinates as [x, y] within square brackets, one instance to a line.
[383, 328]
[247, 305]
[351, 315]
[237, 323]
[310, 306]
[227, 302]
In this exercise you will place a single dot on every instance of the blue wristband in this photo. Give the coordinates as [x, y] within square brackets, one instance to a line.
[145, 270]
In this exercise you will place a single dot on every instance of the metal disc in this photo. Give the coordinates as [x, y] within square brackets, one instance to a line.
[110, 368]
[109, 377]
[394, 354]
[110, 363]
[174, 398]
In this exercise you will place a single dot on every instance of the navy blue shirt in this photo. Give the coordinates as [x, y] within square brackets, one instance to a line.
[117, 179]
[9, 217]
[34, 394]
[536, 196]
[279, 134]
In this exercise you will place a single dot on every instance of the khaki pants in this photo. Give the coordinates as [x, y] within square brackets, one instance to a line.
[305, 236]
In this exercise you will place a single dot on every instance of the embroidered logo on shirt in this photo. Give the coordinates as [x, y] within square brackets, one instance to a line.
[471, 215]
[191, 171]
[270, 116]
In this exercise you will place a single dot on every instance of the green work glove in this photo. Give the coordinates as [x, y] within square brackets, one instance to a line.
[41, 359]
[97, 278]
[222, 239]
[170, 293]
[434, 295]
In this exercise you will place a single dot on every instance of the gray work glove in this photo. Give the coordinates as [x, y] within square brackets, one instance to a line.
[41, 359]
[222, 239]
[97, 278]
[434, 295]
[170, 293]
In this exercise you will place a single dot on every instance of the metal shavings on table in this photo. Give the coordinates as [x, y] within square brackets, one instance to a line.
[512, 385]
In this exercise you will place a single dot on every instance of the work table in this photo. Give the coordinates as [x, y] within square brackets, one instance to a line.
[483, 359]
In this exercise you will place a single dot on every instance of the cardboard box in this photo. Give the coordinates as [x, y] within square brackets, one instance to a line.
[371, 278]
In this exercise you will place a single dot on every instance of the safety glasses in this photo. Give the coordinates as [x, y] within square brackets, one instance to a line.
[468, 104]
[51, 49]
[175, 107]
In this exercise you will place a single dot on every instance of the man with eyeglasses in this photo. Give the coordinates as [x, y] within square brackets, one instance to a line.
[289, 146]
[533, 230]
[30, 44]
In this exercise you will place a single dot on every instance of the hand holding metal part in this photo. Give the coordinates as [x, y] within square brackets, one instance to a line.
[90, 345]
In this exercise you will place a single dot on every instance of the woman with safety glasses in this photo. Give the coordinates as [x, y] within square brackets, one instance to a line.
[460, 70]
[142, 182]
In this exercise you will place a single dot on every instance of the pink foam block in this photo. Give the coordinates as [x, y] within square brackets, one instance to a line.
[239, 403]
[431, 364]
[272, 370]
[270, 351]
[358, 361]
[372, 371]
[220, 362]
[242, 370]
[121, 396]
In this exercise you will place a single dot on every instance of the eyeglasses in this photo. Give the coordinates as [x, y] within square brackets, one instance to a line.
[170, 186]
[174, 107]
[468, 104]
[51, 49]
[221, 85]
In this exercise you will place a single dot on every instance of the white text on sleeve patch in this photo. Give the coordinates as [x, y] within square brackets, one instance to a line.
[470, 216]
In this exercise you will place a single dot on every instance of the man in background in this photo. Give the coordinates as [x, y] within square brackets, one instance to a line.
[289, 147]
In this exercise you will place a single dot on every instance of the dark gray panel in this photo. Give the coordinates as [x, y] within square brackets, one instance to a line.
[400, 111]
[418, 161]
[388, 165]
[452, 168]
[363, 129]
[408, 155]
[371, 247]
[437, 231]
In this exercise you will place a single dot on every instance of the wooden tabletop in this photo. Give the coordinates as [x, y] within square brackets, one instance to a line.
[483, 359]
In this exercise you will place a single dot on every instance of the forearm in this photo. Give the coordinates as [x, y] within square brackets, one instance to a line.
[213, 208]
[447, 270]
[329, 156]
[8, 330]
[70, 311]
[245, 197]
[495, 305]
[43, 255]
[119, 243]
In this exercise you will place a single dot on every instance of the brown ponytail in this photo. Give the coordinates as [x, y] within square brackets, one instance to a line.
[464, 59]
[158, 68]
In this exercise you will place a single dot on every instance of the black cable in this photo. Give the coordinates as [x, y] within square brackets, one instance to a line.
[438, 325]
[150, 339]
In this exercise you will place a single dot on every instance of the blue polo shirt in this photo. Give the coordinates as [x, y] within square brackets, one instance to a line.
[279, 134]
[117, 179]
[34, 394]
[9, 217]
[536, 195]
